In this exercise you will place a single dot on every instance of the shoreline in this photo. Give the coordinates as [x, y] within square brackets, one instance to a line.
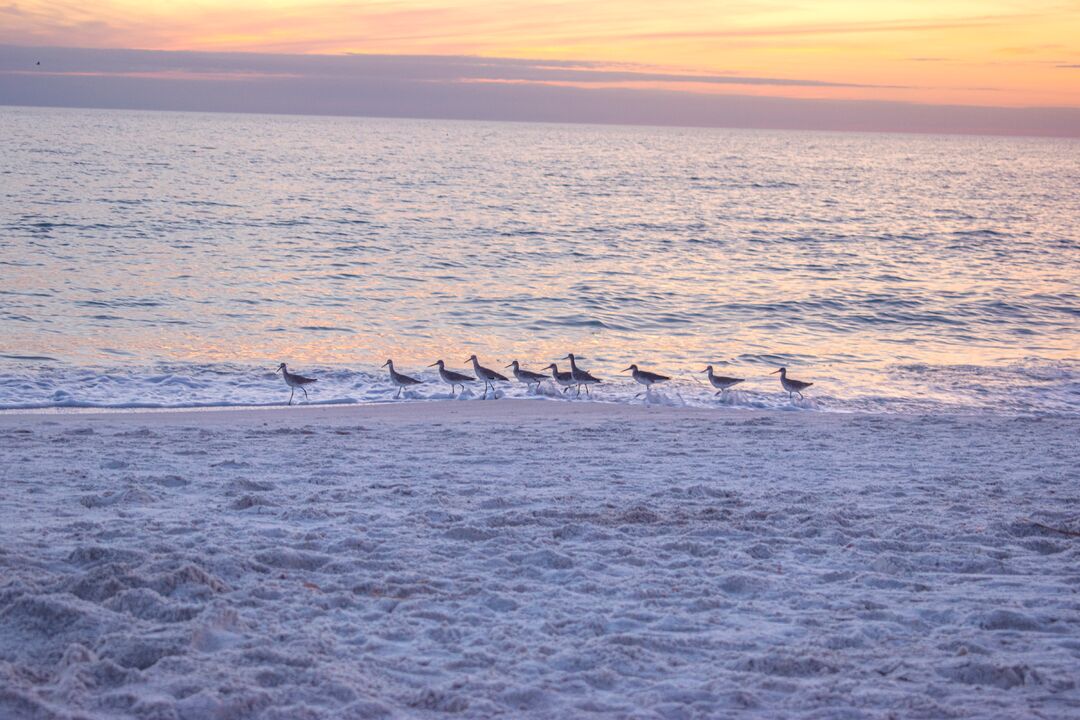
[525, 407]
[503, 408]
[1013, 388]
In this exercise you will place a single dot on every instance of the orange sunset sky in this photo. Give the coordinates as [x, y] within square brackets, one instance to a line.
[971, 52]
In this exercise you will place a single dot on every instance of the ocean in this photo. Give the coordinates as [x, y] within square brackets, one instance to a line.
[174, 259]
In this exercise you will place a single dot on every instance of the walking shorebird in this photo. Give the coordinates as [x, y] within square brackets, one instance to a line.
[400, 379]
[648, 379]
[562, 378]
[294, 381]
[488, 375]
[581, 377]
[527, 376]
[721, 382]
[792, 386]
[452, 378]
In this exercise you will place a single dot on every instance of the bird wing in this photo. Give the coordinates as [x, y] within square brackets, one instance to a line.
[497, 376]
[528, 374]
[655, 377]
[727, 380]
[304, 380]
[458, 377]
[410, 380]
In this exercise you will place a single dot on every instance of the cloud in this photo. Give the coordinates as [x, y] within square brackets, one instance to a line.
[858, 28]
[462, 87]
[385, 67]
[453, 26]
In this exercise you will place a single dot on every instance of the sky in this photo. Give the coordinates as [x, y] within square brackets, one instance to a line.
[996, 66]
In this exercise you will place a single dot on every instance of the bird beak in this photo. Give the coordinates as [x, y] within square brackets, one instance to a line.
[774, 372]
[705, 370]
[510, 365]
[433, 364]
[385, 364]
[627, 369]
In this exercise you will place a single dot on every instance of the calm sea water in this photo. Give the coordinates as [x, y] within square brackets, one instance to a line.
[157, 259]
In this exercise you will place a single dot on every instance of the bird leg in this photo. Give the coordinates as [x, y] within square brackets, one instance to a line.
[396, 396]
[291, 393]
[305, 391]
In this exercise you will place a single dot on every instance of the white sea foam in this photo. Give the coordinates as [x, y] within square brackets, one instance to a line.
[1017, 388]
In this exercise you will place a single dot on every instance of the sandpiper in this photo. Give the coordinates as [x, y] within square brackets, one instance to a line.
[648, 379]
[294, 381]
[488, 375]
[452, 378]
[792, 386]
[562, 378]
[527, 376]
[581, 377]
[721, 382]
[401, 380]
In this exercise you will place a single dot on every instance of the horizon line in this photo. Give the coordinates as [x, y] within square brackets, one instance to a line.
[584, 123]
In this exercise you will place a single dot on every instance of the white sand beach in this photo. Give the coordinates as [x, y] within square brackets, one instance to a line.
[538, 560]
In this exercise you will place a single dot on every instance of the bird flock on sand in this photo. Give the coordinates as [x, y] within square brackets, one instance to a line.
[575, 378]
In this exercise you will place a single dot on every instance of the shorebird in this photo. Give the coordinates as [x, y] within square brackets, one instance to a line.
[401, 380]
[648, 379]
[580, 376]
[792, 386]
[452, 378]
[294, 381]
[562, 378]
[527, 376]
[721, 382]
[488, 375]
